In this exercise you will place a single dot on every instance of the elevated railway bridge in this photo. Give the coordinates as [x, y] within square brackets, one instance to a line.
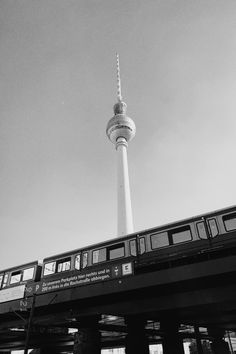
[107, 300]
[132, 312]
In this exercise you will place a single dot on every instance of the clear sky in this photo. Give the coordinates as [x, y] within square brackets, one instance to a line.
[58, 87]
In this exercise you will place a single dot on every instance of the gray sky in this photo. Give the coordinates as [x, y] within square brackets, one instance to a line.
[58, 87]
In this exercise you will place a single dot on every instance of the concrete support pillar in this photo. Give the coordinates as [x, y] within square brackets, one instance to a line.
[88, 338]
[136, 340]
[218, 345]
[171, 341]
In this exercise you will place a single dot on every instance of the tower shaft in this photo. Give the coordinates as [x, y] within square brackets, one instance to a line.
[124, 209]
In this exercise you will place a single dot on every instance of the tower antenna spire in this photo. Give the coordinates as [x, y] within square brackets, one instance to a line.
[119, 96]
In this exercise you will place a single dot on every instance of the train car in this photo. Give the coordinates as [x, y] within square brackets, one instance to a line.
[189, 240]
[97, 263]
[182, 242]
[15, 280]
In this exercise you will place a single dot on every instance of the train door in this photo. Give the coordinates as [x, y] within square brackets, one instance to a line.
[213, 228]
[207, 228]
[133, 247]
[141, 245]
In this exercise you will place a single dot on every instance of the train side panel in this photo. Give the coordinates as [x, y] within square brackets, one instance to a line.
[179, 241]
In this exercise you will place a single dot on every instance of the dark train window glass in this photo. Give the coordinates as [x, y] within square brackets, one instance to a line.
[116, 251]
[133, 248]
[159, 240]
[85, 260]
[63, 265]
[15, 277]
[230, 222]
[49, 268]
[181, 235]
[99, 255]
[28, 274]
[1, 278]
[213, 227]
[5, 280]
[142, 245]
[201, 230]
[77, 262]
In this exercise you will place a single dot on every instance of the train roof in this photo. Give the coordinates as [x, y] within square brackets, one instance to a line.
[25, 265]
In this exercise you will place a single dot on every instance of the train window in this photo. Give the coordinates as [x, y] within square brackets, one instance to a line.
[159, 240]
[99, 255]
[28, 274]
[142, 246]
[230, 222]
[85, 260]
[15, 277]
[49, 268]
[133, 248]
[1, 278]
[77, 262]
[63, 265]
[213, 227]
[116, 251]
[182, 234]
[201, 230]
[5, 280]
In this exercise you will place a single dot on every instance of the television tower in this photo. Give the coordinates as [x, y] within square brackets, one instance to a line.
[120, 130]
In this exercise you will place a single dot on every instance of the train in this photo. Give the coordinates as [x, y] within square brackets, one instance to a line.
[191, 240]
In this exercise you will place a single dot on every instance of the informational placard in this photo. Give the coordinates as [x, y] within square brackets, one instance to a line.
[14, 293]
[85, 277]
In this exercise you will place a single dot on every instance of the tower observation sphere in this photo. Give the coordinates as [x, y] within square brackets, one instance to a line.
[120, 130]
[120, 126]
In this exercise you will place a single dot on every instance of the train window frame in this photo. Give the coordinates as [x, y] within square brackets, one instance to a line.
[177, 231]
[53, 271]
[77, 261]
[62, 265]
[18, 274]
[142, 245]
[96, 255]
[85, 260]
[198, 231]
[133, 249]
[31, 277]
[210, 228]
[226, 218]
[1, 279]
[116, 247]
[157, 235]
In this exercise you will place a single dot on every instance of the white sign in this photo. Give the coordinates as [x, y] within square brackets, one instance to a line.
[126, 268]
[9, 294]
